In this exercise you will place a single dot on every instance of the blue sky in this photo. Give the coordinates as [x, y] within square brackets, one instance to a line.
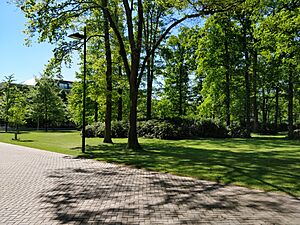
[16, 58]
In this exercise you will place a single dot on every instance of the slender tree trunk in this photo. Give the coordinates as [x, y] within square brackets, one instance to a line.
[180, 89]
[255, 109]
[290, 105]
[264, 111]
[6, 125]
[108, 113]
[16, 132]
[227, 66]
[149, 91]
[120, 98]
[276, 108]
[7, 107]
[46, 116]
[247, 77]
[267, 109]
[147, 37]
[96, 111]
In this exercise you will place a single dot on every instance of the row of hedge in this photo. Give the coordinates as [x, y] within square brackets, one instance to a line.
[169, 129]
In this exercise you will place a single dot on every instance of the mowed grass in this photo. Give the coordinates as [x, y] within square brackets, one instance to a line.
[270, 163]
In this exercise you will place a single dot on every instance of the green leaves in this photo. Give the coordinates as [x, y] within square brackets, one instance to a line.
[46, 105]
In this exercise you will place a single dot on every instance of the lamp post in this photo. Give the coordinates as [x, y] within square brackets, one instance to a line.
[83, 37]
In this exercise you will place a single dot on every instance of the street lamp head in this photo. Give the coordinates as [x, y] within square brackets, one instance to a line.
[76, 36]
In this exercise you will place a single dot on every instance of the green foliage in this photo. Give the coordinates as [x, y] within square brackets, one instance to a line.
[18, 111]
[170, 129]
[212, 67]
[238, 131]
[119, 129]
[178, 68]
[7, 97]
[46, 105]
[178, 128]
[157, 129]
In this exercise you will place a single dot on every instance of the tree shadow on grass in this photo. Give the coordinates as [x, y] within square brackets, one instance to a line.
[21, 140]
[111, 194]
[268, 170]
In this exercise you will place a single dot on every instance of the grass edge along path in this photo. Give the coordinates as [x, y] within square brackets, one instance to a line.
[270, 163]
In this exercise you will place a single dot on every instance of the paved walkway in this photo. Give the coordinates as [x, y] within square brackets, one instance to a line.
[40, 187]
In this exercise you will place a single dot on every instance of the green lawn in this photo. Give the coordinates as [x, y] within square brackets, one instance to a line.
[264, 162]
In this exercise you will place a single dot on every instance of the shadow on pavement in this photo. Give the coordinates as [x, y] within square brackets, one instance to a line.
[111, 194]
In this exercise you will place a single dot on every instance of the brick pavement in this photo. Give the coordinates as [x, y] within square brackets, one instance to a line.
[40, 187]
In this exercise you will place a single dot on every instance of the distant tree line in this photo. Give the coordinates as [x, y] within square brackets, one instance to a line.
[40, 104]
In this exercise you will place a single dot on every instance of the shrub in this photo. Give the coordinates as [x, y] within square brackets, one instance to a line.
[268, 129]
[175, 128]
[147, 128]
[100, 128]
[178, 128]
[210, 128]
[166, 130]
[90, 131]
[296, 134]
[237, 131]
[119, 129]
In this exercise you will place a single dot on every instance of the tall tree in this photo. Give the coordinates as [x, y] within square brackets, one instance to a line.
[18, 111]
[152, 27]
[47, 106]
[108, 112]
[7, 98]
[219, 59]
[176, 88]
[281, 27]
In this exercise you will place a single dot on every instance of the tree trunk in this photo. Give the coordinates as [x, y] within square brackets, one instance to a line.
[7, 107]
[255, 109]
[180, 89]
[136, 47]
[247, 78]
[108, 112]
[276, 108]
[96, 112]
[264, 111]
[290, 106]
[120, 98]
[16, 132]
[149, 90]
[46, 117]
[132, 136]
[6, 125]
[227, 66]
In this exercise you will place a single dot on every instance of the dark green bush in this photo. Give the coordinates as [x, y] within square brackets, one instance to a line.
[296, 134]
[268, 129]
[179, 128]
[166, 130]
[100, 128]
[119, 129]
[175, 128]
[210, 128]
[147, 128]
[90, 131]
[237, 131]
